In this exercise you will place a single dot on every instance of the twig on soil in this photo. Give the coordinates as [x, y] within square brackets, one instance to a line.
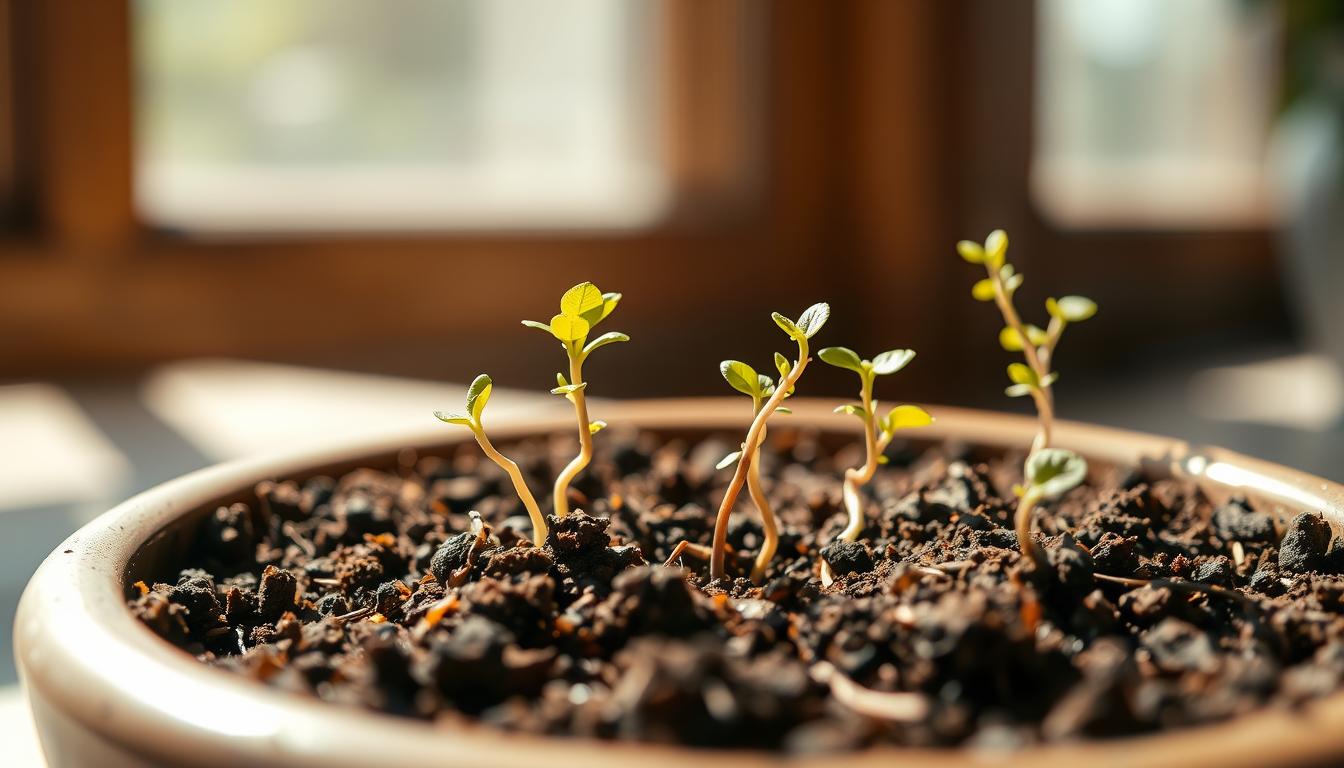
[899, 706]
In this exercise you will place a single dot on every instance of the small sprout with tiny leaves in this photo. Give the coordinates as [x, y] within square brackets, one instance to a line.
[1037, 346]
[877, 431]
[759, 388]
[1049, 473]
[582, 308]
[478, 394]
[800, 331]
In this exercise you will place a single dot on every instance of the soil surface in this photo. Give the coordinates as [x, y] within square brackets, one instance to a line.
[372, 590]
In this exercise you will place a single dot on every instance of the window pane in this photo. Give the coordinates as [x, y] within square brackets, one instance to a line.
[1151, 112]
[336, 114]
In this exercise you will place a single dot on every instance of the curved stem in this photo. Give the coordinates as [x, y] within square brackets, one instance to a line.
[1022, 521]
[560, 498]
[510, 466]
[749, 447]
[1044, 397]
[771, 528]
[857, 477]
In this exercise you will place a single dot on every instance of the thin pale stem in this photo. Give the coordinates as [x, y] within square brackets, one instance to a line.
[561, 495]
[857, 477]
[768, 523]
[510, 466]
[749, 446]
[1042, 395]
[1025, 507]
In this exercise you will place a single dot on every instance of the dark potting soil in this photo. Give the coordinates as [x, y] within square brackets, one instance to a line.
[370, 589]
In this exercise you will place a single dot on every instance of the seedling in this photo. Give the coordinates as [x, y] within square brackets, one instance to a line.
[759, 388]
[877, 432]
[1037, 346]
[801, 330]
[581, 309]
[478, 394]
[1049, 474]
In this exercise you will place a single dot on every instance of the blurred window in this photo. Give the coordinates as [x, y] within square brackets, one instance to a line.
[1152, 113]
[320, 115]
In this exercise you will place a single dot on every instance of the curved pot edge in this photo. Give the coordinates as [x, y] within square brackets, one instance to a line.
[86, 656]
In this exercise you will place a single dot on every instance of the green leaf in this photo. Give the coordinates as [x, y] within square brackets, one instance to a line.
[1073, 309]
[538, 326]
[906, 417]
[599, 313]
[741, 377]
[1017, 390]
[841, 357]
[782, 365]
[610, 337]
[596, 426]
[1010, 340]
[1055, 471]
[883, 459]
[452, 418]
[580, 299]
[1022, 374]
[783, 410]
[569, 328]
[983, 290]
[853, 409]
[478, 394]
[729, 460]
[568, 389]
[789, 326]
[560, 380]
[892, 360]
[813, 318]
[996, 248]
[765, 385]
[972, 252]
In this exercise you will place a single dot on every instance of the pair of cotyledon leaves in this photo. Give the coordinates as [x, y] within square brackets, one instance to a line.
[1052, 472]
[581, 309]
[889, 362]
[478, 394]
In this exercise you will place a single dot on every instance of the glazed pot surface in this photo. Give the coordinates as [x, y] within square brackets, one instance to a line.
[106, 691]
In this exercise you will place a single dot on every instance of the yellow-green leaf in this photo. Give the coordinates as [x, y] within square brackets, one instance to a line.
[783, 410]
[538, 326]
[1022, 374]
[971, 252]
[983, 290]
[741, 377]
[892, 360]
[782, 365]
[596, 426]
[452, 418]
[789, 326]
[906, 417]
[842, 357]
[569, 328]
[599, 313]
[610, 337]
[569, 389]
[1017, 390]
[1073, 309]
[1010, 339]
[996, 248]
[560, 380]
[853, 409]
[813, 318]
[478, 394]
[580, 299]
[1055, 471]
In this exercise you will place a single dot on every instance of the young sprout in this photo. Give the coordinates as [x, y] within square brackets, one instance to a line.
[1049, 474]
[581, 309]
[477, 396]
[877, 432]
[1037, 346]
[804, 328]
[759, 388]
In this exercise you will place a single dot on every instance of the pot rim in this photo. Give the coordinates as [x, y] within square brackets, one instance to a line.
[81, 652]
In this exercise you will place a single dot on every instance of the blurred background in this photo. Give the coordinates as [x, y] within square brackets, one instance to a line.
[234, 227]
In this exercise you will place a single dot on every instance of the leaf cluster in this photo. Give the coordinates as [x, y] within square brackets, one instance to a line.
[1000, 285]
[885, 364]
[1053, 472]
[581, 309]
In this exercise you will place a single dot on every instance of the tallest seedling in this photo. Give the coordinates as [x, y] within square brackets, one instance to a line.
[581, 309]
[1049, 472]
